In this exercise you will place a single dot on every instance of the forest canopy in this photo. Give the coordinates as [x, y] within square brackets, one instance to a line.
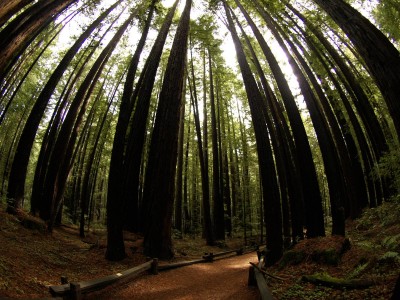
[276, 119]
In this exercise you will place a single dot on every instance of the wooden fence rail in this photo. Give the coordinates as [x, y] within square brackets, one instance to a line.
[257, 277]
[74, 290]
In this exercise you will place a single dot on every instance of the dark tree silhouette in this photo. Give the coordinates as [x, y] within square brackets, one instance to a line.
[20, 32]
[378, 53]
[272, 206]
[15, 192]
[161, 169]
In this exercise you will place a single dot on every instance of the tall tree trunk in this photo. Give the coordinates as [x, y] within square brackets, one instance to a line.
[272, 202]
[227, 177]
[207, 224]
[314, 221]
[9, 8]
[88, 173]
[186, 214]
[116, 176]
[136, 139]
[378, 53]
[50, 136]
[179, 173]
[19, 33]
[286, 162]
[218, 205]
[63, 148]
[330, 156]
[161, 168]
[362, 105]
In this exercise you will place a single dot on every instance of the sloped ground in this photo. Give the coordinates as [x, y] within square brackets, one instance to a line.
[372, 255]
[30, 260]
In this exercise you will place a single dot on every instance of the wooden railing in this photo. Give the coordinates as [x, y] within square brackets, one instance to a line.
[74, 290]
[207, 257]
[256, 277]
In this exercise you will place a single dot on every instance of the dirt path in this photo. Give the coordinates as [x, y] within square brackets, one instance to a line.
[222, 279]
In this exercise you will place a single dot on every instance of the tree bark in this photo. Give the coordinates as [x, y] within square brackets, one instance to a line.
[161, 169]
[118, 154]
[19, 33]
[9, 8]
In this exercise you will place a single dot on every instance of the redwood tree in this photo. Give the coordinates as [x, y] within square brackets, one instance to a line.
[378, 53]
[160, 174]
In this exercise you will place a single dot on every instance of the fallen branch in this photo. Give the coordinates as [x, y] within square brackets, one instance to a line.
[265, 273]
[337, 282]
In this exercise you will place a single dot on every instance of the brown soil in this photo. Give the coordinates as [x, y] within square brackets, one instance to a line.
[31, 260]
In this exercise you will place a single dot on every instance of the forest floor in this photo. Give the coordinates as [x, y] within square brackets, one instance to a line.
[31, 260]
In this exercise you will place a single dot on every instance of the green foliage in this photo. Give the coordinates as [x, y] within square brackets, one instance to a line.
[387, 15]
[390, 257]
[389, 168]
[358, 269]
[386, 215]
[391, 242]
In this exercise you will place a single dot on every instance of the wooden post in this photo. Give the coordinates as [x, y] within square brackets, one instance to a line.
[252, 278]
[262, 286]
[76, 293]
[211, 257]
[154, 266]
[64, 279]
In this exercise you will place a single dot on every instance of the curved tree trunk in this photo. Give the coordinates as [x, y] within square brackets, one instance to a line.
[50, 136]
[161, 168]
[137, 130]
[314, 219]
[16, 37]
[63, 148]
[286, 160]
[272, 205]
[363, 107]
[378, 53]
[20, 163]
[115, 180]
[22, 80]
[9, 8]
